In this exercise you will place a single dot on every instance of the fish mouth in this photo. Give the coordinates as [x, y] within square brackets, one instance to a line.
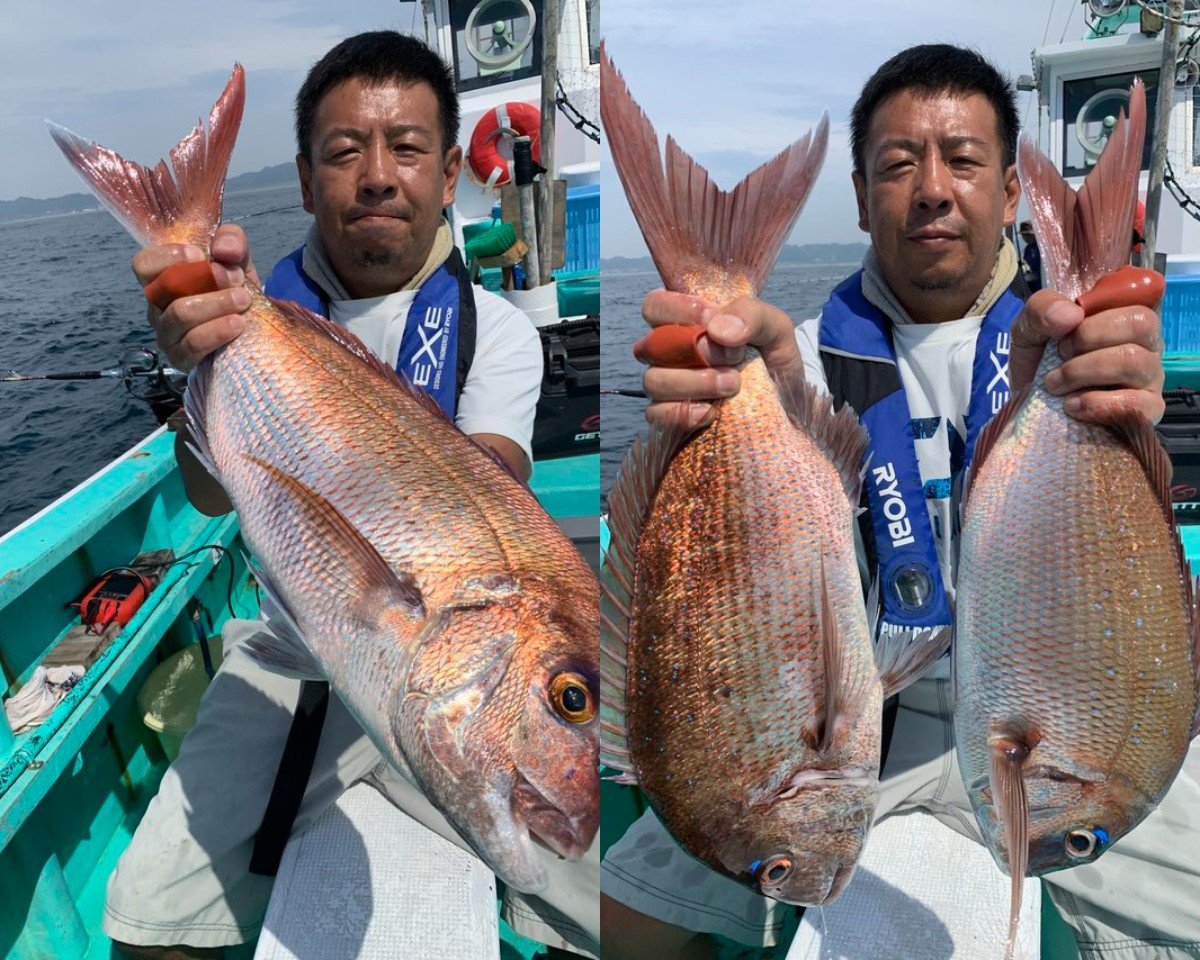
[549, 824]
[843, 777]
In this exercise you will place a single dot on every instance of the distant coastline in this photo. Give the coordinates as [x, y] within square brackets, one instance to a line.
[27, 208]
[807, 253]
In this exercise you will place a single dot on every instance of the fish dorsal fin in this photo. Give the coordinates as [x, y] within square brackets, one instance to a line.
[1008, 756]
[629, 503]
[180, 204]
[348, 561]
[987, 440]
[344, 338]
[691, 227]
[195, 407]
[1084, 236]
[1142, 439]
[1194, 607]
[838, 435]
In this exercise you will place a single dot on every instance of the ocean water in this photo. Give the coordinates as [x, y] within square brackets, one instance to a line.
[69, 301]
[799, 289]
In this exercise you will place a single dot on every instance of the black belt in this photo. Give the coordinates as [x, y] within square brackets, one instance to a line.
[291, 779]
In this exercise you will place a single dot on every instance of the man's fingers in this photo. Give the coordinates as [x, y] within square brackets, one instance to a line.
[231, 248]
[202, 340]
[694, 414]
[1106, 406]
[663, 384]
[1047, 316]
[181, 328]
[150, 262]
[1110, 328]
[1128, 366]
[666, 306]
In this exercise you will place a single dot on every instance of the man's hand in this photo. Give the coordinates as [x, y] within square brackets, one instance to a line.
[1112, 360]
[193, 327]
[728, 331]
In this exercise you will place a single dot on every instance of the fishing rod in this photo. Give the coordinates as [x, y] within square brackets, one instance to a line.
[161, 384]
[638, 394]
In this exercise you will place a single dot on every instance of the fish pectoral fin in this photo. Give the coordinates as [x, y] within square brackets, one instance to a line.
[842, 685]
[350, 557]
[903, 655]
[1008, 756]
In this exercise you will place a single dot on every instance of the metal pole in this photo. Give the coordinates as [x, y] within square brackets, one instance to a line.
[1162, 122]
[523, 178]
[549, 90]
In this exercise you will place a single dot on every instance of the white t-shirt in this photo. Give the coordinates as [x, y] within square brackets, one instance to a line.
[936, 363]
[505, 379]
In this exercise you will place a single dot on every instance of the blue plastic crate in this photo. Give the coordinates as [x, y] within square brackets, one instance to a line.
[583, 230]
[1181, 314]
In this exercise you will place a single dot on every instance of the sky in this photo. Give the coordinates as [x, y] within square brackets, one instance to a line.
[136, 75]
[735, 89]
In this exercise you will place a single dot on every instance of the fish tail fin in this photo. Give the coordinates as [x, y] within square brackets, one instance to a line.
[1085, 235]
[691, 227]
[1012, 807]
[161, 204]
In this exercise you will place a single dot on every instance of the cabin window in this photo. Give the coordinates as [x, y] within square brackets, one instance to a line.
[593, 25]
[1196, 126]
[1090, 109]
[496, 41]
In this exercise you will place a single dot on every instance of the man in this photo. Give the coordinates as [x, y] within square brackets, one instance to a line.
[1031, 257]
[934, 139]
[376, 125]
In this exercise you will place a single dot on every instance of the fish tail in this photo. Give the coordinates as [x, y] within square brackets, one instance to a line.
[1012, 807]
[692, 228]
[179, 204]
[1084, 236]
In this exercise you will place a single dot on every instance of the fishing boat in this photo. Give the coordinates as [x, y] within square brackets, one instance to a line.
[74, 787]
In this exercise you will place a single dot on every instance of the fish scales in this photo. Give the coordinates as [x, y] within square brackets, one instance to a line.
[725, 660]
[1093, 639]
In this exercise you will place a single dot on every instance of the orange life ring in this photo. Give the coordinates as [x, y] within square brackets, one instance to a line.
[484, 160]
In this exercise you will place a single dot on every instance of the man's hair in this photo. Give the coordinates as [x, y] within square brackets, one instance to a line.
[935, 68]
[378, 57]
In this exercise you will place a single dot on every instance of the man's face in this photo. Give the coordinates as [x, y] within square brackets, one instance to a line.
[378, 181]
[935, 196]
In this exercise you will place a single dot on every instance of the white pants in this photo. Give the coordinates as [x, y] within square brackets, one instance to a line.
[1139, 901]
[184, 878]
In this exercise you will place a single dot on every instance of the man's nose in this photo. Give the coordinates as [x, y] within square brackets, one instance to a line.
[933, 185]
[378, 177]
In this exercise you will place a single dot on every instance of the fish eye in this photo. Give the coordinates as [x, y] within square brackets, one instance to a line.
[1080, 844]
[775, 870]
[571, 698]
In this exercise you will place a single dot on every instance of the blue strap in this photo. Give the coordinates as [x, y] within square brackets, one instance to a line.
[429, 350]
[912, 592]
[428, 354]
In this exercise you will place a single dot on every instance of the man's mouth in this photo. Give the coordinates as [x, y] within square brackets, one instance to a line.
[932, 239]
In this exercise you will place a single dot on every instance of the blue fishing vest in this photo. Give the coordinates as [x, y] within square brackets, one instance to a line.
[860, 367]
[439, 338]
